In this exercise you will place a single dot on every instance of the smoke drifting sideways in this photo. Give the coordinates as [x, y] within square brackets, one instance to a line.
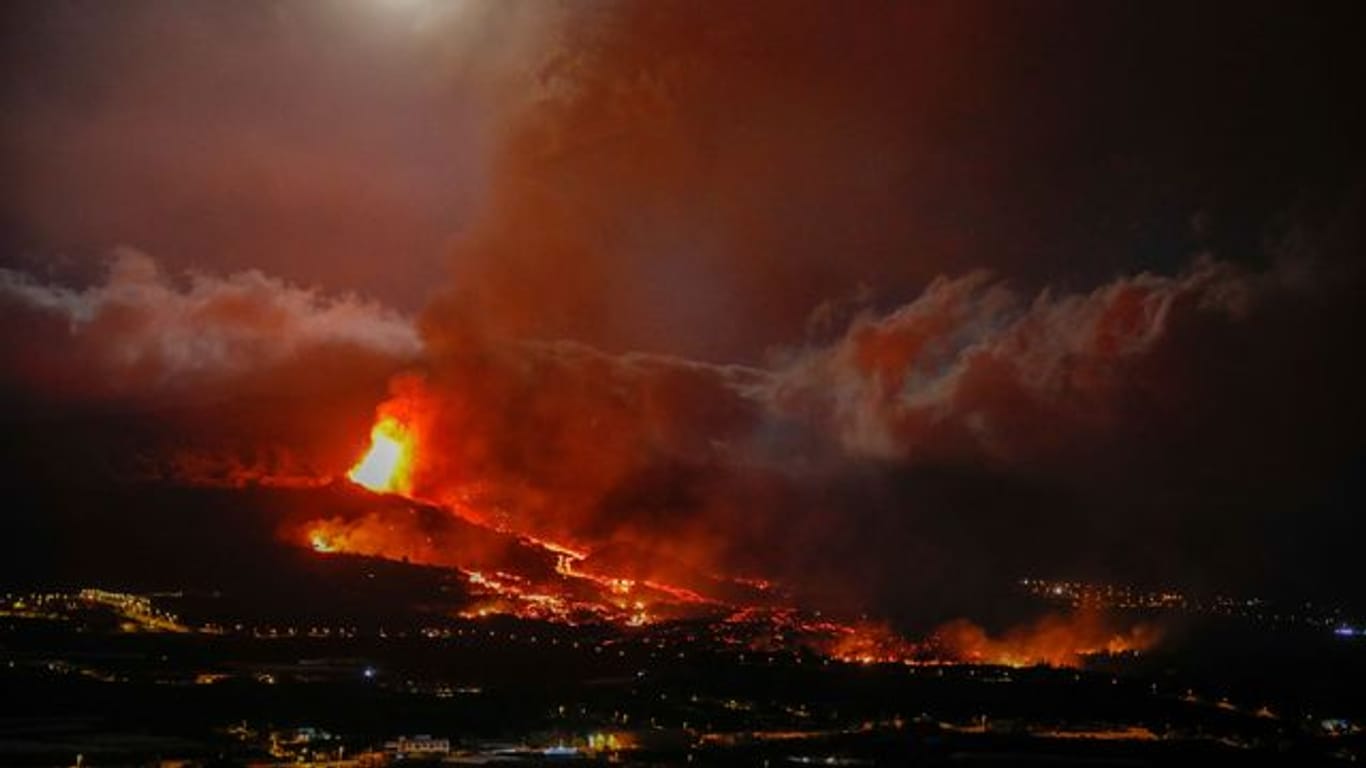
[243, 378]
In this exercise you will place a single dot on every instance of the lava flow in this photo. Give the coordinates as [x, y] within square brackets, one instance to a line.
[513, 572]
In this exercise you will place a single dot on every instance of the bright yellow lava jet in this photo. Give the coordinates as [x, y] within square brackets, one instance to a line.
[387, 466]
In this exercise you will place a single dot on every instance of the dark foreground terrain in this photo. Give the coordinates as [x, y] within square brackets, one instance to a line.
[105, 678]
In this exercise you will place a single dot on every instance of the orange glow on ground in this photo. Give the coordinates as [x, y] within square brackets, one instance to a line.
[387, 465]
[579, 589]
[1055, 640]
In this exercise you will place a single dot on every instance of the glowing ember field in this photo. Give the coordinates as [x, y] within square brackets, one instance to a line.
[566, 584]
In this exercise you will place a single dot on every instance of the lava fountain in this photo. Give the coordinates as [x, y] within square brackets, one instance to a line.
[387, 466]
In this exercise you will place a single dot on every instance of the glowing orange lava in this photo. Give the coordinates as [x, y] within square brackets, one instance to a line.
[505, 570]
[387, 466]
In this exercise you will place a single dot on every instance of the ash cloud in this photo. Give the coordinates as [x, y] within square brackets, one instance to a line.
[683, 181]
[1070, 388]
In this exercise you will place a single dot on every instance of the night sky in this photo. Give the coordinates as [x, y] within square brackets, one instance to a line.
[889, 301]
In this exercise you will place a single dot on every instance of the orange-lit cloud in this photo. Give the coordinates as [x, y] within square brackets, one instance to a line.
[224, 380]
[142, 329]
[971, 368]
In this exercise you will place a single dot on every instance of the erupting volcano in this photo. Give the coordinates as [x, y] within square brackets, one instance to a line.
[514, 570]
[387, 466]
[754, 386]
